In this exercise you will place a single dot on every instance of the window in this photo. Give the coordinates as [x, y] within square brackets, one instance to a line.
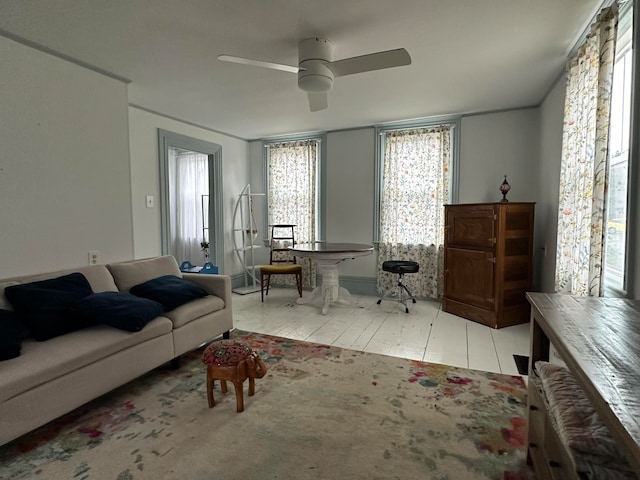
[293, 193]
[414, 183]
[188, 204]
[585, 160]
[615, 243]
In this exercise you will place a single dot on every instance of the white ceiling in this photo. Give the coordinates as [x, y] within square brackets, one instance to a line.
[467, 55]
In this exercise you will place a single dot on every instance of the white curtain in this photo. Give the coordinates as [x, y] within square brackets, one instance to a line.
[292, 196]
[189, 190]
[585, 158]
[416, 181]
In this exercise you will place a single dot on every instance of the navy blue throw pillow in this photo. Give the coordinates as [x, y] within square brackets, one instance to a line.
[43, 306]
[117, 309]
[10, 335]
[169, 290]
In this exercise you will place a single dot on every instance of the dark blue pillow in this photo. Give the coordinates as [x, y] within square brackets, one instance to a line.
[117, 309]
[169, 290]
[10, 335]
[43, 306]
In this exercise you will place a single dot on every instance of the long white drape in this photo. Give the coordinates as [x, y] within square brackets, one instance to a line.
[585, 157]
[416, 180]
[188, 187]
[292, 196]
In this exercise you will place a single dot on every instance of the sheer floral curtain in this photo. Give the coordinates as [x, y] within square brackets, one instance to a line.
[292, 197]
[585, 156]
[416, 169]
[188, 182]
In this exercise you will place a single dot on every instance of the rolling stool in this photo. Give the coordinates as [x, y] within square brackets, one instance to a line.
[400, 267]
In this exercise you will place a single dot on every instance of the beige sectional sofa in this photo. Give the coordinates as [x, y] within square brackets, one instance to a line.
[54, 376]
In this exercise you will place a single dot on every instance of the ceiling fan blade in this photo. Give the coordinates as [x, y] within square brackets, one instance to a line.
[372, 61]
[318, 101]
[258, 63]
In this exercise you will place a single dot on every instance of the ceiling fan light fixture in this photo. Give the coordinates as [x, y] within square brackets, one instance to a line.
[316, 67]
[315, 83]
[315, 77]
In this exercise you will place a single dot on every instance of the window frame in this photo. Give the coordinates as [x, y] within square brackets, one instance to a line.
[633, 250]
[213, 151]
[380, 132]
[628, 285]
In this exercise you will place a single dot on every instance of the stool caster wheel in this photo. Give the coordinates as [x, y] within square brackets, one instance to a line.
[414, 300]
[406, 309]
[378, 302]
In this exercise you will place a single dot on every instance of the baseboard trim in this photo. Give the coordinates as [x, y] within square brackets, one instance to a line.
[356, 285]
[359, 285]
[238, 281]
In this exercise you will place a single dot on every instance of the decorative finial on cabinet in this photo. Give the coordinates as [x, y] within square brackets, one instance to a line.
[504, 189]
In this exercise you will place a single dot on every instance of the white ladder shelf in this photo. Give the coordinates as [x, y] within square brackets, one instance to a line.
[245, 234]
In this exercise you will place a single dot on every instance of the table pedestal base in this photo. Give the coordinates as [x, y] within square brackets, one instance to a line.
[330, 292]
[328, 257]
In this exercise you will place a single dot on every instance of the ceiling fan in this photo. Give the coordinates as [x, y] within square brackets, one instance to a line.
[316, 68]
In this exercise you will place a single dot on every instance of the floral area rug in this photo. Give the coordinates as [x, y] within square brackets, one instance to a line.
[321, 412]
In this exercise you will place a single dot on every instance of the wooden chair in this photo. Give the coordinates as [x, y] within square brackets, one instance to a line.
[280, 264]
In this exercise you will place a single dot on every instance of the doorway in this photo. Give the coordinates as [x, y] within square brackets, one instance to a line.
[190, 199]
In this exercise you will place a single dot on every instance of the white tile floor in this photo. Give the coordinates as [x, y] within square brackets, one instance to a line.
[426, 333]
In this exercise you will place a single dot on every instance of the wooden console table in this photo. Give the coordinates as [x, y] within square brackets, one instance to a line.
[599, 341]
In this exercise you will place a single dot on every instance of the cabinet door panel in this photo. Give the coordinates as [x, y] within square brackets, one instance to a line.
[471, 226]
[469, 276]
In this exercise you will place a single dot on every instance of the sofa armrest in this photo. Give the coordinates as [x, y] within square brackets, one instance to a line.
[218, 285]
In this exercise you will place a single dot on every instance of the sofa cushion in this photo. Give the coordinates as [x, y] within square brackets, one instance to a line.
[195, 309]
[43, 306]
[169, 290]
[98, 276]
[10, 335]
[4, 302]
[117, 309]
[129, 274]
[41, 362]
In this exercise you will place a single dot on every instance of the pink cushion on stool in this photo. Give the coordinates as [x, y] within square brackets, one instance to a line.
[225, 353]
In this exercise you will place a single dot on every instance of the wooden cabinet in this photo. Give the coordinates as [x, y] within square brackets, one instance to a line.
[488, 262]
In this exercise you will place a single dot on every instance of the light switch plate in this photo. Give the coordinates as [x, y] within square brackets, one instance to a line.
[151, 201]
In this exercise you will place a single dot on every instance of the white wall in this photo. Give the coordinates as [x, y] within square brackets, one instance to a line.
[78, 162]
[64, 168]
[492, 145]
[496, 144]
[145, 178]
[551, 124]
[350, 194]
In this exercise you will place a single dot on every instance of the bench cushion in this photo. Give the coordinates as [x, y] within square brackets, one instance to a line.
[578, 424]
